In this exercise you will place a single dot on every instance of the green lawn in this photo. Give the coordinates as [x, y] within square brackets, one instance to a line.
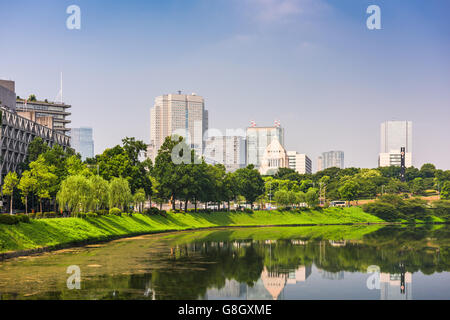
[65, 231]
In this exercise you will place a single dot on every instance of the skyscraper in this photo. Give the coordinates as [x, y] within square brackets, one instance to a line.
[299, 162]
[258, 139]
[82, 142]
[227, 150]
[330, 159]
[179, 114]
[393, 136]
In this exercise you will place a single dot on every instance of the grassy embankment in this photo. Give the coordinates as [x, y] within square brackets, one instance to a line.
[62, 232]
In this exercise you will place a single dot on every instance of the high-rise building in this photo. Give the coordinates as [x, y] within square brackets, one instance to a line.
[178, 114]
[227, 150]
[299, 162]
[45, 109]
[82, 142]
[393, 136]
[330, 159]
[258, 139]
[17, 130]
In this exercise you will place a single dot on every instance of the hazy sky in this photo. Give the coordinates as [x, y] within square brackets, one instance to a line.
[312, 64]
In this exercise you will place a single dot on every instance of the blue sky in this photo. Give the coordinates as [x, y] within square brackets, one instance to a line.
[312, 64]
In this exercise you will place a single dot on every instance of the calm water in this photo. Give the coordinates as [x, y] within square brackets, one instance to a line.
[335, 262]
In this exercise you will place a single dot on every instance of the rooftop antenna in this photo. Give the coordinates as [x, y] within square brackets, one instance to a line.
[59, 96]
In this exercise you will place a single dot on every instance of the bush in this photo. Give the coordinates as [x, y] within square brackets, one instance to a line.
[441, 208]
[32, 215]
[382, 210]
[115, 211]
[8, 219]
[414, 209]
[248, 210]
[102, 212]
[38, 215]
[23, 218]
[92, 215]
[49, 214]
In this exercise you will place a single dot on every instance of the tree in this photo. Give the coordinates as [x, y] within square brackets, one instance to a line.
[312, 197]
[27, 186]
[281, 197]
[32, 97]
[119, 193]
[349, 191]
[139, 199]
[427, 170]
[99, 192]
[250, 183]
[9, 184]
[36, 147]
[417, 186]
[75, 194]
[445, 190]
[45, 178]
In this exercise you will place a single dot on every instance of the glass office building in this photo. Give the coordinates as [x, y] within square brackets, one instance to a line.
[82, 142]
[258, 138]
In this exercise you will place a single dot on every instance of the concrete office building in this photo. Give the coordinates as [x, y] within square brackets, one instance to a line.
[330, 159]
[299, 162]
[19, 129]
[226, 150]
[82, 142]
[44, 109]
[258, 139]
[393, 136]
[178, 114]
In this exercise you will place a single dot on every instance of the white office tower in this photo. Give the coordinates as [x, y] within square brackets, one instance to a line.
[394, 136]
[178, 114]
[299, 162]
[226, 150]
[258, 139]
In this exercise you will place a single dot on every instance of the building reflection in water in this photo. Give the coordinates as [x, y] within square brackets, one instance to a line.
[396, 286]
[270, 285]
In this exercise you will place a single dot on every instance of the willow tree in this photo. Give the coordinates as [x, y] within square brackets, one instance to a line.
[75, 194]
[119, 193]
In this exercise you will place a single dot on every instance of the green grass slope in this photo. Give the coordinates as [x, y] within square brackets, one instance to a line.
[65, 231]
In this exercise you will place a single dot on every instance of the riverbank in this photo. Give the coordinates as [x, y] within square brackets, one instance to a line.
[49, 234]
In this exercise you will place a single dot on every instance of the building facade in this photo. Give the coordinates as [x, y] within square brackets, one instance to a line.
[299, 162]
[226, 150]
[330, 159]
[83, 142]
[16, 134]
[393, 136]
[274, 158]
[8, 94]
[58, 111]
[178, 114]
[258, 139]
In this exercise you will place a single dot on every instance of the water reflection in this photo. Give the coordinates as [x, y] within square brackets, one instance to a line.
[250, 263]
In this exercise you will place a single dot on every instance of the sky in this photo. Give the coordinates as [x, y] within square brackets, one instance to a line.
[311, 64]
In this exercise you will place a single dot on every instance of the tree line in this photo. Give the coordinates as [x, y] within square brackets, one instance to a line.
[122, 177]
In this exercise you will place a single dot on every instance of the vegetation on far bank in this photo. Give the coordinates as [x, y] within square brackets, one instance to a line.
[65, 231]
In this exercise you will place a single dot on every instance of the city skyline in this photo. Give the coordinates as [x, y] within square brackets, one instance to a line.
[315, 67]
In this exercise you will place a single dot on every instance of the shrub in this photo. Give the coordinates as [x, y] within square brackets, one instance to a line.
[382, 210]
[38, 215]
[102, 212]
[8, 219]
[115, 211]
[92, 215]
[23, 218]
[248, 210]
[49, 214]
[414, 208]
[32, 215]
[441, 208]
